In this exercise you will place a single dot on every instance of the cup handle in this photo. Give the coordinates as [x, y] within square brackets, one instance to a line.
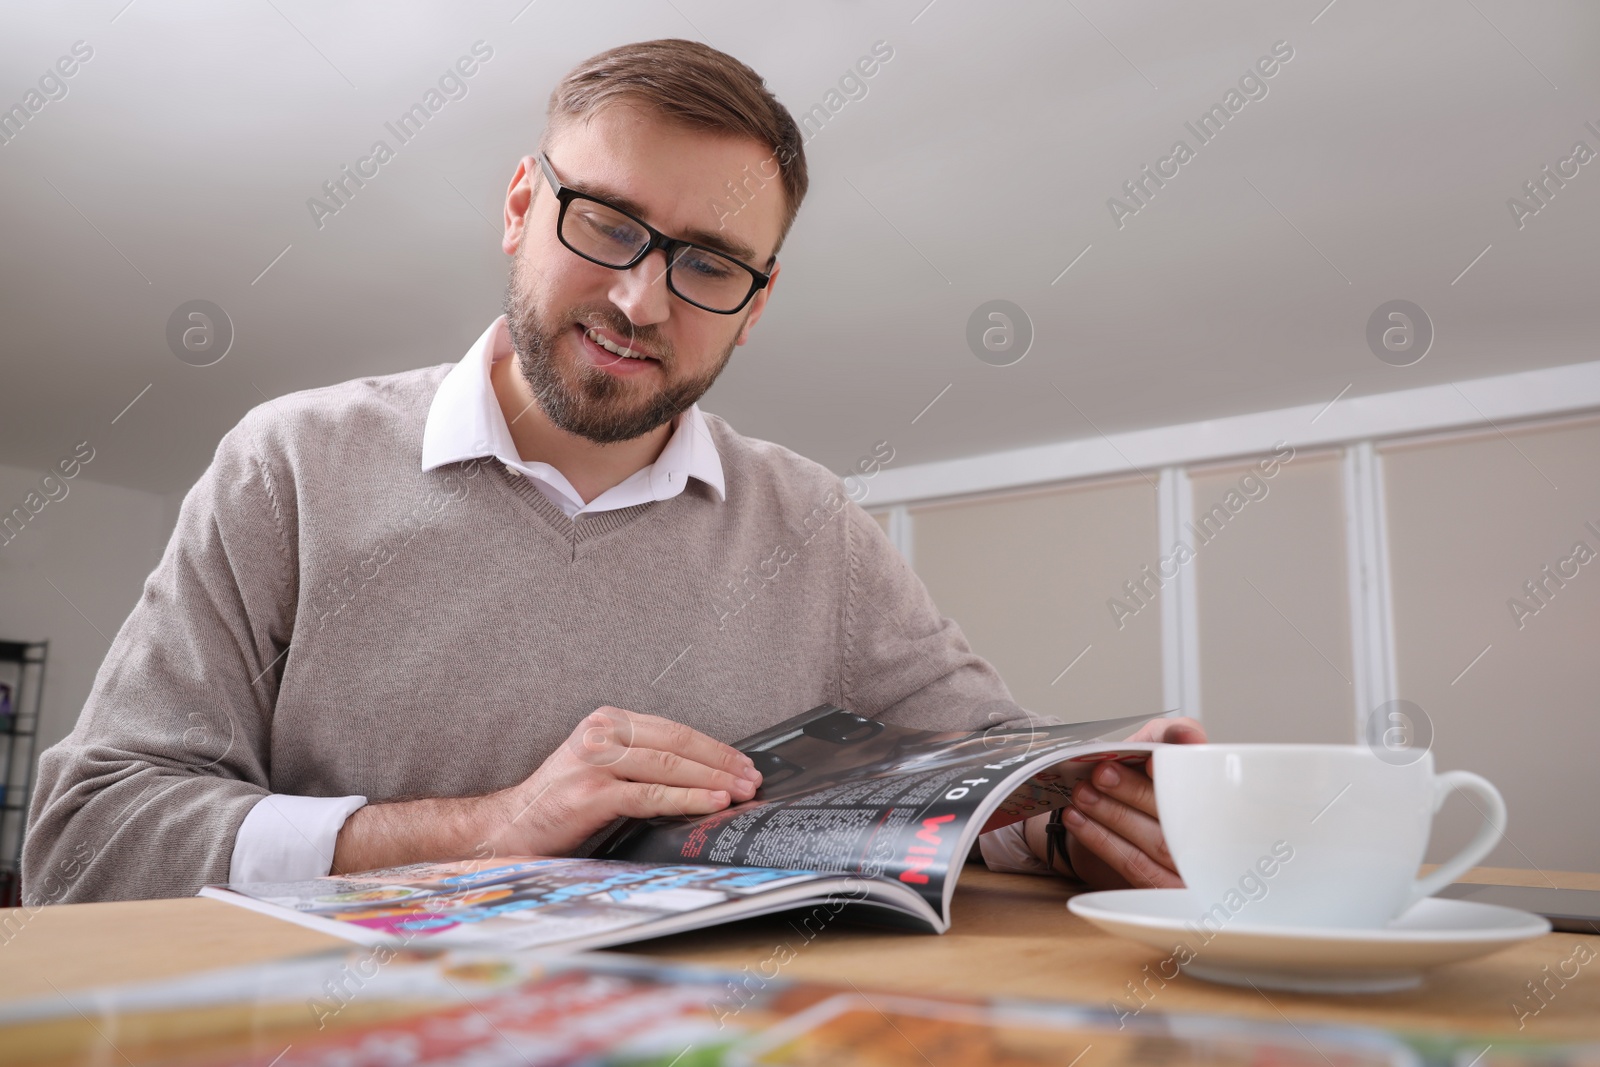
[1494, 826]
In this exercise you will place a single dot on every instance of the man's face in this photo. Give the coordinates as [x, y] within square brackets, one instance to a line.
[554, 299]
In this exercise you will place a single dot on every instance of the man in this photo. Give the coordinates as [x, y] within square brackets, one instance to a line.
[492, 607]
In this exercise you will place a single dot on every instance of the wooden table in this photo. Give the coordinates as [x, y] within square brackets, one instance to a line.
[1011, 936]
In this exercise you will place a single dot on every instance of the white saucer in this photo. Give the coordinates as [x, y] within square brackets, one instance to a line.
[1307, 959]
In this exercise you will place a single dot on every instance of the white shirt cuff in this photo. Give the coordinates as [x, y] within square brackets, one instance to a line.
[288, 838]
[1007, 851]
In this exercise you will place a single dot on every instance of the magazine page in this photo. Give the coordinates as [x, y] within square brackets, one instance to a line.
[850, 794]
[382, 1006]
[524, 902]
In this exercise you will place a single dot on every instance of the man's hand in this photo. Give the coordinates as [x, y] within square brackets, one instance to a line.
[1114, 837]
[616, 763]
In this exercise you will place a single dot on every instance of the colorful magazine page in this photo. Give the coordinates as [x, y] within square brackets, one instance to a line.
[527, 902]
[400, 1007]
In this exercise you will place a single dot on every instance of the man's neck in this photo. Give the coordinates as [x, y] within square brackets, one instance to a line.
[591, 468]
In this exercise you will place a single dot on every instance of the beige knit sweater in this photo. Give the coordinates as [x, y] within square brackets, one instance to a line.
[330, 620]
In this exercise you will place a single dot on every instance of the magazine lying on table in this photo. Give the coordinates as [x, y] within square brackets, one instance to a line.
[852, 813]
[369, 1007]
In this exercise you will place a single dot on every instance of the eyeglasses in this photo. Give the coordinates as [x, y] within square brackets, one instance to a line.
[613, 238]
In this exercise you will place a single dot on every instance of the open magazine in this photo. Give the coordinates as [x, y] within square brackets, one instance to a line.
[852, 814]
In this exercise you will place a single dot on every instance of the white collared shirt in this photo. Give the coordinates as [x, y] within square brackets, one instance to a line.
[466, 421]
[289, 838]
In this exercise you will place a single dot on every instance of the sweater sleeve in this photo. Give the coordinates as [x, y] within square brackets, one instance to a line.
[902, 661]
[144, 798]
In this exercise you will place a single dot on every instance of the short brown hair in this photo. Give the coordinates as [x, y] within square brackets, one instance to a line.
[694, 85]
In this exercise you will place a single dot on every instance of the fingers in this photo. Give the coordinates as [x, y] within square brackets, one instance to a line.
[1137, 867]
[652, 751]
[614, 763]
[647, 800]
[1127, 784]
[1179, 731]
[1117, 821]
[1130, 824]
[1184, 731]
[631, 729]
[651, 765]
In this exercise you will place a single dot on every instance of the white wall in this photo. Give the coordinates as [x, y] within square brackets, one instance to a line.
[1273, 624]
[1026, 577]
[72, 576]
[1332, 595]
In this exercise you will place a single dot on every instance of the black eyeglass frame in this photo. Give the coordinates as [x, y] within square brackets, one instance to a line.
[670, 245]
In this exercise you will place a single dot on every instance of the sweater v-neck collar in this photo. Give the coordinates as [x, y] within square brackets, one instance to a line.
[574, 531]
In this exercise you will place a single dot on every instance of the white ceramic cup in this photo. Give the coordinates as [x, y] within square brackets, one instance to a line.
[1309, 835]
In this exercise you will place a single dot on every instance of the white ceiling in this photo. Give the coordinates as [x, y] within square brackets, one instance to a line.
[978, 166]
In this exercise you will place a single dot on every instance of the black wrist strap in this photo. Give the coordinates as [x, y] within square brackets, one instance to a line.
[1055, 842]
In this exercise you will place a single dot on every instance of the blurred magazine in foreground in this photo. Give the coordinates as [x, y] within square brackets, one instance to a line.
[385, 1006]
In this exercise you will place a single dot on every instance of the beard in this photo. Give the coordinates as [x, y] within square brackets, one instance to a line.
[584, 400]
